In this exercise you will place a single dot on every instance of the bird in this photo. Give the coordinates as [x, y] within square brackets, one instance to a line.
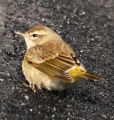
[49, 62]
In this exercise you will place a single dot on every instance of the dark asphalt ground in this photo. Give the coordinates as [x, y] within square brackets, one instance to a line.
[89, 28]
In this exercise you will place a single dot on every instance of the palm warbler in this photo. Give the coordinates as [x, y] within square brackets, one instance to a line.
[49, 61]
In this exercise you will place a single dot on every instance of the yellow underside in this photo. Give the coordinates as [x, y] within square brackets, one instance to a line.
[77, 73]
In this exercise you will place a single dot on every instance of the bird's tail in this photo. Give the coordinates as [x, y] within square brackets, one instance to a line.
[77, 73]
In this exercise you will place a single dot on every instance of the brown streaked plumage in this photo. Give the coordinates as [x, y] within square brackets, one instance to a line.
[49, 62]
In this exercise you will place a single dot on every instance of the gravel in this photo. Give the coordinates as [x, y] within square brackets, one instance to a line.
[88, 26]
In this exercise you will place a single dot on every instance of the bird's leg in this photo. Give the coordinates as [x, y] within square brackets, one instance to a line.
[27, 85]
[30, 86]
[33, 88]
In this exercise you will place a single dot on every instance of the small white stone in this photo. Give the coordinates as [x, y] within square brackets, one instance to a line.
[68, 22]
[83, 12]
[31, 110]
[1, 80]
[13, 88]
[43, 19]
[54, 108]
[81, 51]
[53, 115]
[26, 97]
[22, 104]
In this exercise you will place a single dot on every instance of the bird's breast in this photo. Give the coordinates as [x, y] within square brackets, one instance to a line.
[36, 77]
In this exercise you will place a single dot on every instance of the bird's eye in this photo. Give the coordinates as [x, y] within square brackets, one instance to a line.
[34, 35]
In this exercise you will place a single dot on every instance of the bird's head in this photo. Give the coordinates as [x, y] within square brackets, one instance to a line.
[38, 35]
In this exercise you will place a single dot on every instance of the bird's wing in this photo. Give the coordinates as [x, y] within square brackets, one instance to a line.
[51, 60]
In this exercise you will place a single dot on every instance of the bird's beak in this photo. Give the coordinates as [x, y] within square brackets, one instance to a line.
[22, 34]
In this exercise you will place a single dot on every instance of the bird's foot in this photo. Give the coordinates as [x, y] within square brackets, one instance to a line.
[30, 86]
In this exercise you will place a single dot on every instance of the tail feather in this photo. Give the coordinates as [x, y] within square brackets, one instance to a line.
[78, 74]
[90, 76]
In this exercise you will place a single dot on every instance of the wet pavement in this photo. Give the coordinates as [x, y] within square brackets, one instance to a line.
[89, 28]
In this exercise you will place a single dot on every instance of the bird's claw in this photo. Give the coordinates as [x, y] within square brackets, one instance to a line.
[30, 86]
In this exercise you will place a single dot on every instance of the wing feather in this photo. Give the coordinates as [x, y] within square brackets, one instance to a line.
[54, 64]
